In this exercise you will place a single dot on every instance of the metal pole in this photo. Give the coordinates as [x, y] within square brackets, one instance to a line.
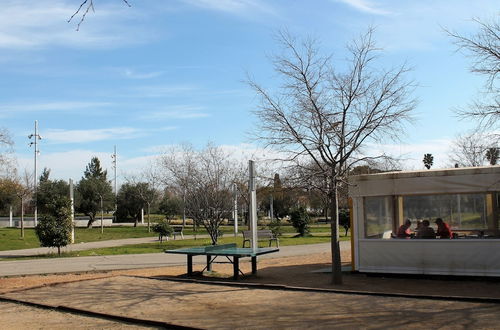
[36, 174]
[253, 204]
[72, 199]
[116, 190]
[235, 209]
[10, 216]
[36, 137]
[102, 216]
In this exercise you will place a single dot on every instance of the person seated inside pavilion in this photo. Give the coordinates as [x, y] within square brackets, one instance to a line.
[443, 230]
[404, 230]
[425, 231]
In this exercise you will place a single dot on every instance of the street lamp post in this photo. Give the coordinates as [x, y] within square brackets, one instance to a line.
[113, 156]
[35, 137]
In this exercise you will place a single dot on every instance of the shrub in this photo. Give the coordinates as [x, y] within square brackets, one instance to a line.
[300, 221]
[163, 229]
[344, 220]
[54, 228]
[275, 227]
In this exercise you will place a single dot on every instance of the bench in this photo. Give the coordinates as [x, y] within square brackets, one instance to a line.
[262, 235]
[177, 231]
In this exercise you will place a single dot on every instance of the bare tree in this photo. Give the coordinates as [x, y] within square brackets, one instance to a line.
[468, 150]
[206, 177]
[146, 188]
[24, 194]
[7, 168]
[85, 7]
[484, 48]
[177, 179]
[325, 116]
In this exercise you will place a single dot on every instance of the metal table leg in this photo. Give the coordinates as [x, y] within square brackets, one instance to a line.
[254, 265]
[236, 267]
[209, 263]
[190, 264]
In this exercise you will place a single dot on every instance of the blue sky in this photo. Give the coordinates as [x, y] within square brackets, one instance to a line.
[162, 73]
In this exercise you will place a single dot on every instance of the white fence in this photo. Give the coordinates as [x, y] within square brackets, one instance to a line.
[29, 222]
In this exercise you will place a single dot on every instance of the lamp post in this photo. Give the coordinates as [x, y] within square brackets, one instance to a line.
[35, 137]
[253, 203]
[113, 156]
[72, 198]
[235, 208]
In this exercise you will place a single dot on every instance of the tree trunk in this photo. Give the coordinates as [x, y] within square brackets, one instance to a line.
[335, 247]
[149, 221]
[59, 251]
[22, 218]
[91, 220]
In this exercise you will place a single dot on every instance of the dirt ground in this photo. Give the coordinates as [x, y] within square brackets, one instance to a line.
[148, 294]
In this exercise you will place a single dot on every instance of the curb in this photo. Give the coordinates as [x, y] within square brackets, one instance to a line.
[111, 317]
[322, 290]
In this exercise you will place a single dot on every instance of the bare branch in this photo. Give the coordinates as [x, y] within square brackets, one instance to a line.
[84, 9]
[484, 48]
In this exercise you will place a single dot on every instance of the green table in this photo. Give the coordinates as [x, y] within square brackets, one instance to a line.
[225, 250]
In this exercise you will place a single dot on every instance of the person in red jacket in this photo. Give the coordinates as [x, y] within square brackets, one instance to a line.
[443, 230]
[404, 230]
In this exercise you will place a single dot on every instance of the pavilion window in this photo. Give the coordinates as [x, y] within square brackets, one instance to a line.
[379, 216]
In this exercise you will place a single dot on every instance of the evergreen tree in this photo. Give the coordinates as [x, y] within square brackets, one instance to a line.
[93, 188]
[54, 226]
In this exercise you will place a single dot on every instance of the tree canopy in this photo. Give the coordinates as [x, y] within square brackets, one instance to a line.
[92, 188]
[323, 114]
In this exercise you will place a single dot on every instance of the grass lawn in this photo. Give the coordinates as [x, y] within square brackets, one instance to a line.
[175, 244]
[10, 238]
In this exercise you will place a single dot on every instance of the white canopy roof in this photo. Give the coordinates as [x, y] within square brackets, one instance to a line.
[455, 180]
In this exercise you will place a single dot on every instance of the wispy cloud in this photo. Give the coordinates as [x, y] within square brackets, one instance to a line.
[241, 7]
[177, 112]
[154, 91]
[90, 135]
[60, 136]
[37, 24]
[132, 74]
[366, 7]
[50, 106]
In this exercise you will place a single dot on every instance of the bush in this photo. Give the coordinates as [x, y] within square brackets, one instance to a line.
[163, 229]
[275, 227]
[54, 228]
[344, 220]
[300, 221]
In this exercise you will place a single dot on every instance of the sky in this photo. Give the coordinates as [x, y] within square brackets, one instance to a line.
[163, 73]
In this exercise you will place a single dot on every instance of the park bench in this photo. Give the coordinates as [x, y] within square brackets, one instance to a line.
[262, 235]
[177, 231]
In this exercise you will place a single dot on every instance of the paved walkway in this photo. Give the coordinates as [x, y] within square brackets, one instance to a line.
[115, 262]
[80, 246]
